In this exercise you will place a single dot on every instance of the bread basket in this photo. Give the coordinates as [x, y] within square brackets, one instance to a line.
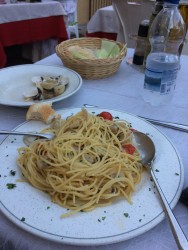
[90, 68]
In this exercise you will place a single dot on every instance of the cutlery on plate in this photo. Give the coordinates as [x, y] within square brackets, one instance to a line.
[42, 135]
[29, 137]
[146, 148]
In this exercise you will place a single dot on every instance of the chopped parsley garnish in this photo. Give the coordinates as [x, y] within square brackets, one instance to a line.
[176, 174]
[156, 170]
[11, 185]
[12, 172]
[102, 218]
[140, 220]
[48, 207]
[126, 215]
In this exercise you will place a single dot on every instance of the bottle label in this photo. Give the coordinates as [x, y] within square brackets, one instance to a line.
[161, 82]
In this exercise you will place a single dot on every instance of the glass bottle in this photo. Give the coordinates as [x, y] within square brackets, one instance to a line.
[141, 44]
[183, 8]
[166, 34]
[156, 9]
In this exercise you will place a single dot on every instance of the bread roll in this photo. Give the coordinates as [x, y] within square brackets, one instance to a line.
[82, 53]
[41, 112]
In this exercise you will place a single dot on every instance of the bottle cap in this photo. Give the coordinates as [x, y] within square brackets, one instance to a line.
[143, 28]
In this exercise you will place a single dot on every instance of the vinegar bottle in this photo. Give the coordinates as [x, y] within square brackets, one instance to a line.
[165, 35]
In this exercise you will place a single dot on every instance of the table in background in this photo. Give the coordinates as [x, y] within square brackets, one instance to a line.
[22, 23]
[122, 91]
[103, 24]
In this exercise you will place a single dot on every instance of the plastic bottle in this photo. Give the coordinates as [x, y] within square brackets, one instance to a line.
[166, 34]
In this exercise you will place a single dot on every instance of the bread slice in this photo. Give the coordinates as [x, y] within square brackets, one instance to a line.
[41, 112]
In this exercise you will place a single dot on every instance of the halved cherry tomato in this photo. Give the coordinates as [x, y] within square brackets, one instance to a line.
[129, 148]
[106, 115]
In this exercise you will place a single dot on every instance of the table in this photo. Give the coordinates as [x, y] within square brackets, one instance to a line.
[22, 23]
[122, 91]
[103, 24]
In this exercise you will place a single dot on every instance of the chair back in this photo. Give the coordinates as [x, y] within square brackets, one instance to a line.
[129, 14]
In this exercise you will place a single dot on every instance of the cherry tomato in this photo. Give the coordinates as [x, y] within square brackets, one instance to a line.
[106, 115]
[129, 148]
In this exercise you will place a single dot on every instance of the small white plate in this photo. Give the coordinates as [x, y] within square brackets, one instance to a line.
[117, 222]
[16, 80]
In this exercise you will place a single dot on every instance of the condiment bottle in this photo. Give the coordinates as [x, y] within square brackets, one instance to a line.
[166, 34]
[138, 57]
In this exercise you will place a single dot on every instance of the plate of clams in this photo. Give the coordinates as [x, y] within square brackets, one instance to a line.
[24, 85]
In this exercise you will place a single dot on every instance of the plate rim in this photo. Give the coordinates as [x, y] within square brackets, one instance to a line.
[102, 240]
[52, 100]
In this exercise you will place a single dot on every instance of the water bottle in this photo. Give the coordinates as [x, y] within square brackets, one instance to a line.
[165, 35]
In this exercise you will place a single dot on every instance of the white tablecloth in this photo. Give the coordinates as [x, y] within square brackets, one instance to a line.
[103, 20]
[122, 91]
[25, 11]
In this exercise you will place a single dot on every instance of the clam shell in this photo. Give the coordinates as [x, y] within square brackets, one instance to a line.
[30, 92]
[36, 79]
[63, 80]
[59, 89]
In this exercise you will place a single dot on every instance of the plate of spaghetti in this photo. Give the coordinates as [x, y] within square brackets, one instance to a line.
[87, 186]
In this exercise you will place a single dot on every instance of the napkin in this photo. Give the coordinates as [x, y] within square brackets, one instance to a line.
[184, 197]
[108, 49]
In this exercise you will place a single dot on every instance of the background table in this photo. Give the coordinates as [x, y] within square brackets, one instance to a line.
[103, 24]
[122, 91]
[22, 23]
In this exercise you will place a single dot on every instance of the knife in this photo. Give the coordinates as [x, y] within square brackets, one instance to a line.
[177, 126]
[172, 125]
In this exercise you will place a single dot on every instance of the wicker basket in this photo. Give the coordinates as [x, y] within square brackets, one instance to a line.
[90, 68]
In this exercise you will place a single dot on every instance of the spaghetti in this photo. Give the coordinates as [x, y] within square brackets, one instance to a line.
[86, 165]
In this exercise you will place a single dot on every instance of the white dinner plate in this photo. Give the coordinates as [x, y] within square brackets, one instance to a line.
[34, 212]
[16, 80]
